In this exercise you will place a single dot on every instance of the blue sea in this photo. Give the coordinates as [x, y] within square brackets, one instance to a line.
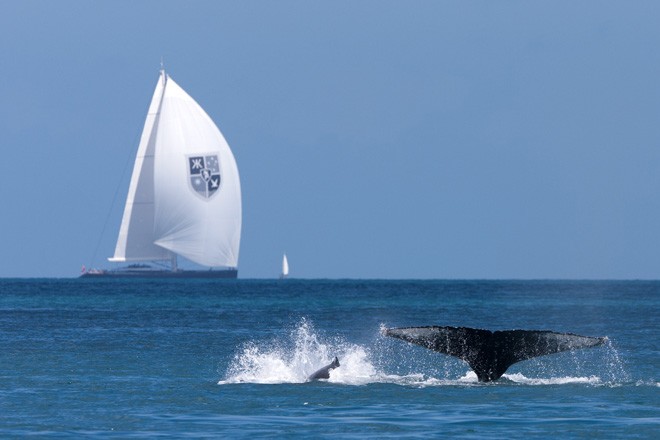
[230, 359]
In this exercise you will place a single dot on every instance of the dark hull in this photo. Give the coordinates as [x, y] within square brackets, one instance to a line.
[162, 274]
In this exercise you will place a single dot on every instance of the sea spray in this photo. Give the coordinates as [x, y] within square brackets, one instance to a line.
[616, 372]
[293, 359]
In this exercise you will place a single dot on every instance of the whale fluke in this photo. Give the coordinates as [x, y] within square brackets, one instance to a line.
[489, 353]
[324, 373]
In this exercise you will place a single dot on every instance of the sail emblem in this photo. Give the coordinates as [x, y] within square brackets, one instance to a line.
[204, 174]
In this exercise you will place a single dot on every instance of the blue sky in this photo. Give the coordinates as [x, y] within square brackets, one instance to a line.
[375, 139]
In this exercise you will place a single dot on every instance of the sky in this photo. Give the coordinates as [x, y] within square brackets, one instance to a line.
[374, 139]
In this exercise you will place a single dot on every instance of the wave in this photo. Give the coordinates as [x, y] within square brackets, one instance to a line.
[291, 360]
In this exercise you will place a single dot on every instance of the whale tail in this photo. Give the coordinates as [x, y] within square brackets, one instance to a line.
[489, 353]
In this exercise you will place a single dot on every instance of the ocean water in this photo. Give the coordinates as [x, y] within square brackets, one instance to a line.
[230, 358]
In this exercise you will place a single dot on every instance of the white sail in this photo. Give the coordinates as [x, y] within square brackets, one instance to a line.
[185, 195]
[135, 241]
[285, 267]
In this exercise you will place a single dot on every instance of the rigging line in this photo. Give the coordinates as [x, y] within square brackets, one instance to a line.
[114, 197]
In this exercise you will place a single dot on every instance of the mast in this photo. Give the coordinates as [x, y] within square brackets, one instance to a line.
[163, 76]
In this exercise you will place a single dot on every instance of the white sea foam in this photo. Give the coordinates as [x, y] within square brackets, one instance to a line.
[519, 378]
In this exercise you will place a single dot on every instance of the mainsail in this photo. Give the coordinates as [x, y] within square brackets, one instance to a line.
[185, 196]
[285, 267]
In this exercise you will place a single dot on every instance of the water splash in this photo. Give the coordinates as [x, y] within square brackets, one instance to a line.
[615, 367]
[293, 358]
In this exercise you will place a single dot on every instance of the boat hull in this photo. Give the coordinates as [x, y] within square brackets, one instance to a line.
[162, 274]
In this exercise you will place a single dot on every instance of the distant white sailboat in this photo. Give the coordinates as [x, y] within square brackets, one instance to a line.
[285, 267]
[184, 198]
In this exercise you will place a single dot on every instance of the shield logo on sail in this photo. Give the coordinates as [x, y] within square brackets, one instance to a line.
[204, 174]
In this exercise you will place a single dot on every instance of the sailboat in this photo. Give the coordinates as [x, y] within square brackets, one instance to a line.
[285, 267]
[184, 199]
